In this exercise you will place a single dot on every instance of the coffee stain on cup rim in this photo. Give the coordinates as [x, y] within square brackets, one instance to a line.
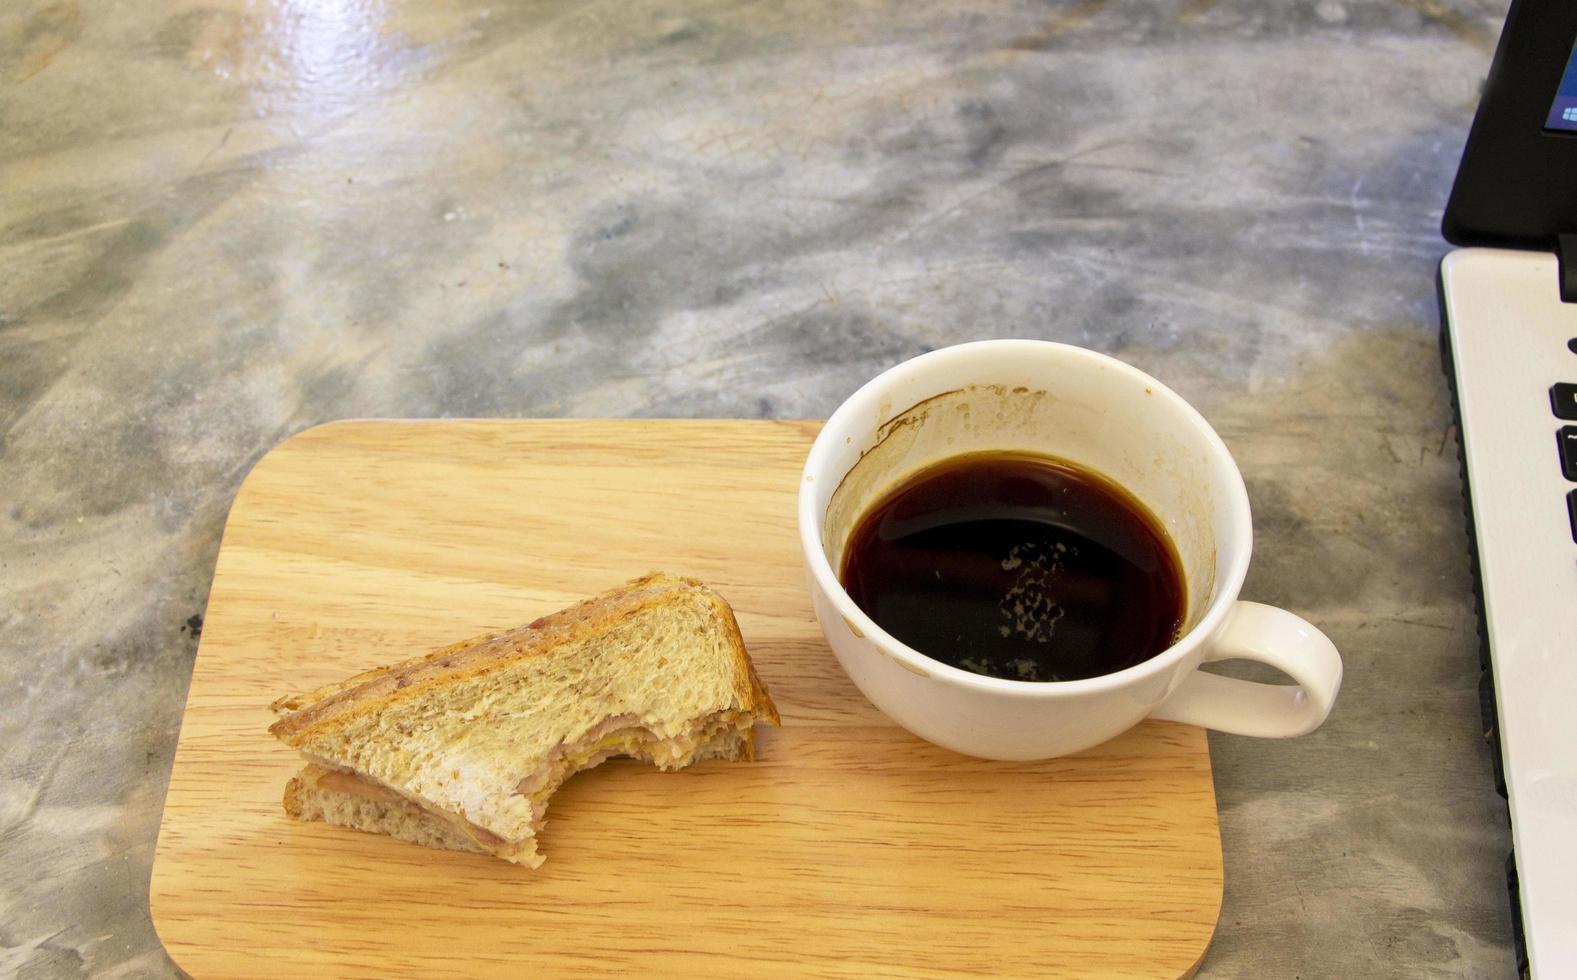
[969, 408]
[860, 634]
[911, 668]
[887, 423]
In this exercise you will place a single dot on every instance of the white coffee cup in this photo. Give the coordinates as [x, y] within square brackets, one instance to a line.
[1089, 409]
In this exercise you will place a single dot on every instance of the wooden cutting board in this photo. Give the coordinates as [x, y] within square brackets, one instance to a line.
[850, 848]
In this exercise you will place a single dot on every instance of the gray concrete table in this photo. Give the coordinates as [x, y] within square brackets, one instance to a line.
[222, 223]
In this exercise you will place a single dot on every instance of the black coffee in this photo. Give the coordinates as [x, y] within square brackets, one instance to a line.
[1017, 566]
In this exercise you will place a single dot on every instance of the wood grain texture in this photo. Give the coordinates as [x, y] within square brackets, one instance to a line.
[849, 849]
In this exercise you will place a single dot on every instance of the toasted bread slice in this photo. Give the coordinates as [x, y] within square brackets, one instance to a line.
[461, 748]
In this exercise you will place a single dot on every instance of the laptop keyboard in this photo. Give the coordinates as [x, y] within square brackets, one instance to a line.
[1563, 402]
[1508, 342]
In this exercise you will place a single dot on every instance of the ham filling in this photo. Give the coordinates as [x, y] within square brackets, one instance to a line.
[618, 735]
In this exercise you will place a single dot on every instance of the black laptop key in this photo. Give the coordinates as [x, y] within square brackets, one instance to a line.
[1563, 401]
[1571, 511]
[1568, 438]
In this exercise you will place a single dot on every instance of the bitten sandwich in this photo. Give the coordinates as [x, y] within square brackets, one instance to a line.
[463, 747]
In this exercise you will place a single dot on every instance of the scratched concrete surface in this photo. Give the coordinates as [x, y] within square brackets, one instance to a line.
[223, 223]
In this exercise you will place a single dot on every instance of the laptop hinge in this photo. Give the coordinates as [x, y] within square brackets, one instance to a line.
[1566, 252]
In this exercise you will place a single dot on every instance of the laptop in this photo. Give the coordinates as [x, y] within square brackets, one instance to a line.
[1508, 302]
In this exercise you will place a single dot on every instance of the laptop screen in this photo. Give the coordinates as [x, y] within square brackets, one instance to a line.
[1517, 186]
[1563, 113]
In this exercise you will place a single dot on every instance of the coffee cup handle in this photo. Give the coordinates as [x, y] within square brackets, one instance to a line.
[1270, 636]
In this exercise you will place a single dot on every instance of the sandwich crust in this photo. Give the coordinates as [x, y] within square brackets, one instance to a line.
[373, 690]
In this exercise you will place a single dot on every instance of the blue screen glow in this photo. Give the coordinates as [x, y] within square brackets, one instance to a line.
[1563, 113]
